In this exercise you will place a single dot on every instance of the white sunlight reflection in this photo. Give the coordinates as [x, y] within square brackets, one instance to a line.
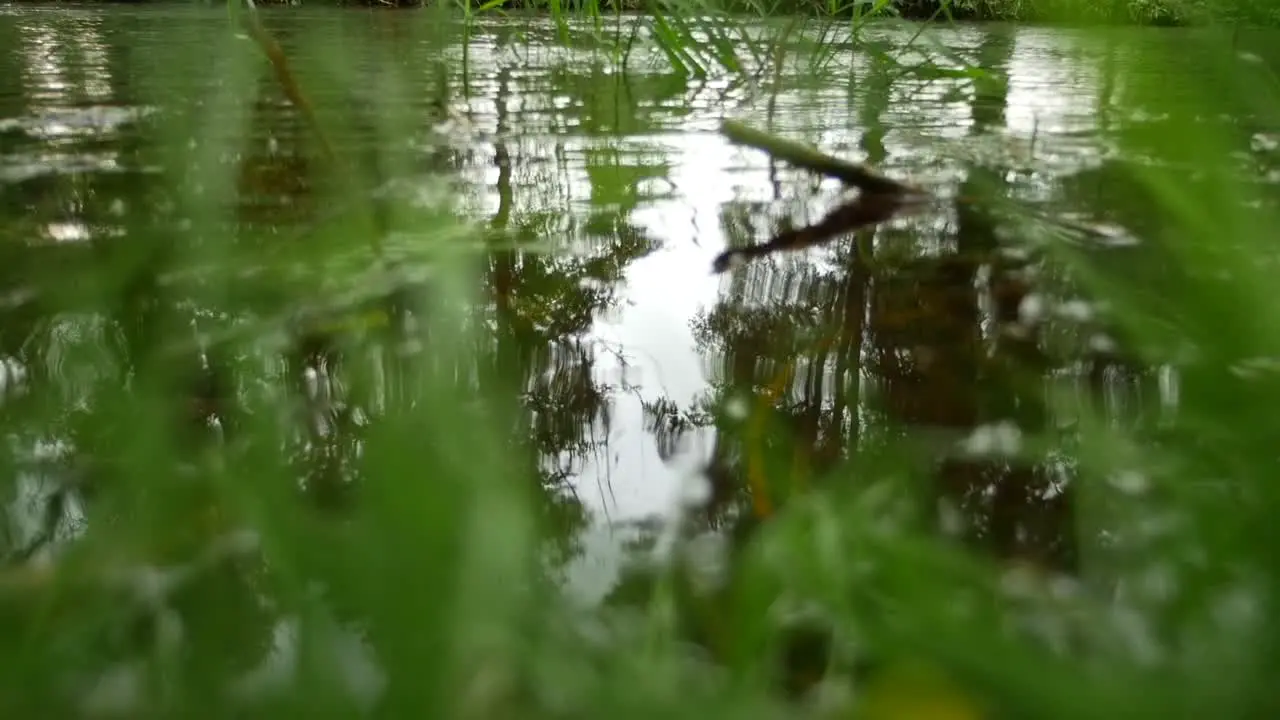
[1041, 66]
[630, 481]
[666, 289]
[43, 63]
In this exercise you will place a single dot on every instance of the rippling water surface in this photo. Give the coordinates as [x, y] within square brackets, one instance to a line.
[627, 342]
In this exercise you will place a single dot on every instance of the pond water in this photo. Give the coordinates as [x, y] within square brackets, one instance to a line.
[629, 343]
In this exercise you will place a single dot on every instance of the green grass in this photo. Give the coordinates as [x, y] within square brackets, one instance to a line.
[191, 547]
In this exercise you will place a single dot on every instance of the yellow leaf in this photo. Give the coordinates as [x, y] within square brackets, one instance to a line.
[916, 692]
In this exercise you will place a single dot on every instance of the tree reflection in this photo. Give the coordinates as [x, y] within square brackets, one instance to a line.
[879, 337]
[234, 335]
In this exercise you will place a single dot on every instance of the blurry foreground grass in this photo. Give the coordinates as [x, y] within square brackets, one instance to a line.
[205, 580]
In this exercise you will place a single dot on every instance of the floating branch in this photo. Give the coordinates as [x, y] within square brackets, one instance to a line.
[810, 158]
[284, 75]
[880, 199]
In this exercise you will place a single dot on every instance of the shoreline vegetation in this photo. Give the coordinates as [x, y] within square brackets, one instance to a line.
[1162, 13]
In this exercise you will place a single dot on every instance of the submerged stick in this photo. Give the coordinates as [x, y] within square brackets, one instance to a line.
[284, 75]
[810, 158]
